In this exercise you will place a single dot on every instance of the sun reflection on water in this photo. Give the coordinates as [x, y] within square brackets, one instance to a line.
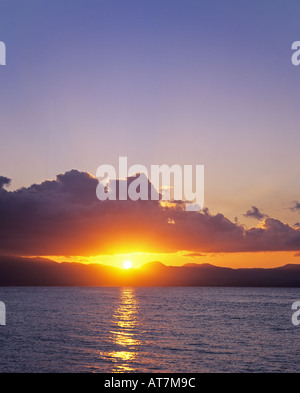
[124, 335]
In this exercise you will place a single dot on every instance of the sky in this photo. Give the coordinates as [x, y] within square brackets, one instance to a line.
[161, 82]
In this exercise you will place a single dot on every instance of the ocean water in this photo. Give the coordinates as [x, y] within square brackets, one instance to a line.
[79, 329]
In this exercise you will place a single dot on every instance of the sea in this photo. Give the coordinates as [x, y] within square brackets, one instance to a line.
[149, 330]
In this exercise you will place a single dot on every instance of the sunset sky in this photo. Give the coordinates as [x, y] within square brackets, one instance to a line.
[202, 82]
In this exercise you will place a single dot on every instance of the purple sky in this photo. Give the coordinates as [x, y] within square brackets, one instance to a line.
[161, 82]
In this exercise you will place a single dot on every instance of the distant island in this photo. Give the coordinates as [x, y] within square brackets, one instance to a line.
[22, 271]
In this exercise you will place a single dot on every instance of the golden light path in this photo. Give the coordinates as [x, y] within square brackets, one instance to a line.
[124, 332]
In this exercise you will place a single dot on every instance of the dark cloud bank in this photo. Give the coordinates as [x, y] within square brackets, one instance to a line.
[64, 217]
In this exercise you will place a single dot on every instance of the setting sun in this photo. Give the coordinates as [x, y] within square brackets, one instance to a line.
[127, 264]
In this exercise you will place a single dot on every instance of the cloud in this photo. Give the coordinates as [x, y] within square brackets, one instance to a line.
[255, 213]
[296, 207]
[64, 217]
[194, 254]
[4, 181]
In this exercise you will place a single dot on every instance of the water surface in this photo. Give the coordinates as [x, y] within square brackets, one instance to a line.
[78, 329]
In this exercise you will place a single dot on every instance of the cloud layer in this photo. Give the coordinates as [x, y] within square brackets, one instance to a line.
[64, 217]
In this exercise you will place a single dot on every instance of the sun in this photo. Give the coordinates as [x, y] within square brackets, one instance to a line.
[127, 264]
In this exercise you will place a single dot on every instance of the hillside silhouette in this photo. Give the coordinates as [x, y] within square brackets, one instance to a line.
[16, 271]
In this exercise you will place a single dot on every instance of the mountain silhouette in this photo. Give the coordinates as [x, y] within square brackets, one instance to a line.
[15, 271]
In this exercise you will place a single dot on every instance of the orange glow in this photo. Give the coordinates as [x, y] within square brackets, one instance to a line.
[233, 260]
